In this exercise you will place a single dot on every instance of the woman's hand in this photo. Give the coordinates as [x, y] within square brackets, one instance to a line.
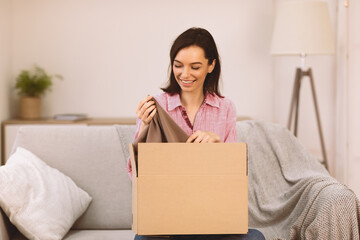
[145, 111]
[203, 137]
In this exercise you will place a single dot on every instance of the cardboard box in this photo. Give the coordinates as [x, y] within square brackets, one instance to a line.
[182, 188]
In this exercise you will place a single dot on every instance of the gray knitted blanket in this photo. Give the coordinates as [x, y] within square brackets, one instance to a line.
[291, 195]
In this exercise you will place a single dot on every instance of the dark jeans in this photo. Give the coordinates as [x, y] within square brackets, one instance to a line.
[253, 234]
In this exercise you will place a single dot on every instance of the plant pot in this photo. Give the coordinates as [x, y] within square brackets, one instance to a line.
[30, 107]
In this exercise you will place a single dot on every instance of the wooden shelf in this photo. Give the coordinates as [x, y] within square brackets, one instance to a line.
[89, 121]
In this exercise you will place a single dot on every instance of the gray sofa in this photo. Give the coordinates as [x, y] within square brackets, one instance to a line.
[291, 195]
[95, 158]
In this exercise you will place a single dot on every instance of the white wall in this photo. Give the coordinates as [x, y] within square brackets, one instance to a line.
[113, 53]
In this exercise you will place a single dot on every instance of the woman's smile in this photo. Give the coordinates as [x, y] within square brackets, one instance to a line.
[187, 83]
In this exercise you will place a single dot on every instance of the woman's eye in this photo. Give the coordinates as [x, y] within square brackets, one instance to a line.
[196, 68]
[177, 66]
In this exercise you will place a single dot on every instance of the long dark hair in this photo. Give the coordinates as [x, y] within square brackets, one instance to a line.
[201, 38]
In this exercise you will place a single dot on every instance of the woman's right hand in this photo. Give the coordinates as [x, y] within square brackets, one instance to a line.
[145, 111]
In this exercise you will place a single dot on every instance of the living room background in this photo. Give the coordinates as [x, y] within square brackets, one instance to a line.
[113, 53]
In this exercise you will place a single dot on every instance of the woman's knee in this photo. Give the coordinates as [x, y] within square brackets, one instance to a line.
[255, 234]
[139, 237]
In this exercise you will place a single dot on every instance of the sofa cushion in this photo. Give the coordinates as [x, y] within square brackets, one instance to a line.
[91, 235]
[40, 201]
[93, 157]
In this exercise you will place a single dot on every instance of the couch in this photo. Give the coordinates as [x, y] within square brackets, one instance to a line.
[95, 158]
[291, 195]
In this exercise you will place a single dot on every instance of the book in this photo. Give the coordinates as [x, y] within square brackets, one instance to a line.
[70, 116]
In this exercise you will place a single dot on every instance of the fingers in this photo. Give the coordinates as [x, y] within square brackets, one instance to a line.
[198, 137]
[203, 137]
[150, 117]
[142, 102]
[206, 139]
[146, 110]
[192, 137]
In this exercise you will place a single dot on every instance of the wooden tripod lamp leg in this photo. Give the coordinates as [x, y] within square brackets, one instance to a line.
[297, 107]
[318, 118]
[294, 105]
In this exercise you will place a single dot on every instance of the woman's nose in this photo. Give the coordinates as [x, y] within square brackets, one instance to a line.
[185, 73]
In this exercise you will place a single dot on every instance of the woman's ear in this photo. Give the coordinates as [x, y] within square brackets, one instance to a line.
[212, 66]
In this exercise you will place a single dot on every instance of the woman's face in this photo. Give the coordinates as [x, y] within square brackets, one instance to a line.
[190, 68]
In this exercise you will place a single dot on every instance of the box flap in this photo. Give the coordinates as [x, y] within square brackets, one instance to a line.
[162, 159]
[132, 159]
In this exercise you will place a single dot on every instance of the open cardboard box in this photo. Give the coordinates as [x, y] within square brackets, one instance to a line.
[182, 188]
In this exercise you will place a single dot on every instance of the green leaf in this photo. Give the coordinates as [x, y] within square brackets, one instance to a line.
[34, 82]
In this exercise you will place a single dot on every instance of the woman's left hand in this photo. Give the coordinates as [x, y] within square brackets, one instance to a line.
[203, 137]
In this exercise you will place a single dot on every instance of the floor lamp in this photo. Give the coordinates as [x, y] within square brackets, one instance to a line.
[303, 28]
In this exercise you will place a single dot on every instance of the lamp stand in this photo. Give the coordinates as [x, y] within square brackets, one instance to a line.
[294, 107]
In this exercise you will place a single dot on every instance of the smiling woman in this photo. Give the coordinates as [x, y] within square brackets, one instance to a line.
[191, 68]
[193, 100]
[197, 46]
[192, 97]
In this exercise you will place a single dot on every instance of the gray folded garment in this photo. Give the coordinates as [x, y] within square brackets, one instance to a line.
[162, 128]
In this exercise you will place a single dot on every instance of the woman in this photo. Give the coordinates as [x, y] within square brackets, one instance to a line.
[192, 98]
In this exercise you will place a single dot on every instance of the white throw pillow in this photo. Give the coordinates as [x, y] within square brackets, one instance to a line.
[39, 200]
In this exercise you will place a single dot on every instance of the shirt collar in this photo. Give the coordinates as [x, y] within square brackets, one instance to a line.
[173, 101]
[212, 100]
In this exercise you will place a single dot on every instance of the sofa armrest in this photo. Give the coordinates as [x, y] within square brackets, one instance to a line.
[6, 228]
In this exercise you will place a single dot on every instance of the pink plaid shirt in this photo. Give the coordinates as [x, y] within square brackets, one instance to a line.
[216, 115]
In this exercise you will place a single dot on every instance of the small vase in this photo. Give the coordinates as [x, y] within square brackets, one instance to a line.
[30, 107]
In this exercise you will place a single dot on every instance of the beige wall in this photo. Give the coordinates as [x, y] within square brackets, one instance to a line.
[347, 137]
[5, 10]
[353, 117]
[324, 73]
[113, 53]
[5, 7]
[342, 105]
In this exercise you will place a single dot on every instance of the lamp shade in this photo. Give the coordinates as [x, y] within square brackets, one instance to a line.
[302, 27]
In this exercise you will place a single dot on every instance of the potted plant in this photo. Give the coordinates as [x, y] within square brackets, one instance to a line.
[31, 85]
